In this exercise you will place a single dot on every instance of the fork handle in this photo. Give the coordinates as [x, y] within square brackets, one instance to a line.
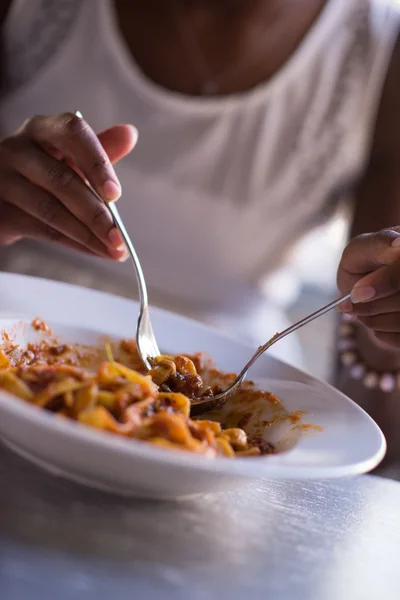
[143, 296]
[112, 208]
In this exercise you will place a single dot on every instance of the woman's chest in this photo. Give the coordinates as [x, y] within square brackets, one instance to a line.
[214, 193]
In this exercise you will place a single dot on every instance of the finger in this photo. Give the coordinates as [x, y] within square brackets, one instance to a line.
[367, 253]
[74, 138]
[386, 323]
[390, 339]
[21, 224]
[61, 181]
[118, 141]
[379, 284]
[43, 206]
[345, 306]
[390, 304]
[8, 233]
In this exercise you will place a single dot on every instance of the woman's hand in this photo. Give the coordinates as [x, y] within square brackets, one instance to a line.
[42, 193]
[370, 268]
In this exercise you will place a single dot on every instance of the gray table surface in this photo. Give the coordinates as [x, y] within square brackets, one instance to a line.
[335, 540]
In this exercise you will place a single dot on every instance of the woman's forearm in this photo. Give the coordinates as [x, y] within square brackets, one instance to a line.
[382, 406]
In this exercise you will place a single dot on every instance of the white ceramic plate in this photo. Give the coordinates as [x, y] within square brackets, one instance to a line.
[349, 443]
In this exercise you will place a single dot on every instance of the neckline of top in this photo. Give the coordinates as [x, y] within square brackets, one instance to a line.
[157, 94]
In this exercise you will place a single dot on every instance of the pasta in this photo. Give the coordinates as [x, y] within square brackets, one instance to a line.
[151, 407]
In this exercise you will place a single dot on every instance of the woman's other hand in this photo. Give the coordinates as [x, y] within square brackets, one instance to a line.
[42, 192]
[370, 268]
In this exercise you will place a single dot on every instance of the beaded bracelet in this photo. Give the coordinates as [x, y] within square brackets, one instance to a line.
[357, 368]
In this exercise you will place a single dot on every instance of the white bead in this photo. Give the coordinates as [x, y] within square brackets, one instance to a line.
[357, 371]
[348, 318]
[345, 344]
[387, 382]
[346, 330]
[371, 380]
[348, 358]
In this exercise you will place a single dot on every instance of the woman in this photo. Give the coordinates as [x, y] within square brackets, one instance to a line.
[254, 118]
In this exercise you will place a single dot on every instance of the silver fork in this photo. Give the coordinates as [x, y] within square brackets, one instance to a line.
[203, 405]
[145, 339]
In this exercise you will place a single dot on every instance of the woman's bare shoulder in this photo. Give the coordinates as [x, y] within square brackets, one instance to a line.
[378, 193]
[4, 8]
[386, 143]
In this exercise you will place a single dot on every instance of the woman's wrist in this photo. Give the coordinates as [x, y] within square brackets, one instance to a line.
[365, 359]
[364, 383]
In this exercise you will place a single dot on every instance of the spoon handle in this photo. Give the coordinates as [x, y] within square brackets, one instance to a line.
[203, 405]
[312, 317]
[279, 336]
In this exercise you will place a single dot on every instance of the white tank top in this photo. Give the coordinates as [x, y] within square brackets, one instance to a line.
[218, 189]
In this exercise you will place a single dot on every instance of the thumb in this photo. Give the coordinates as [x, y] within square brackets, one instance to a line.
[118, 141]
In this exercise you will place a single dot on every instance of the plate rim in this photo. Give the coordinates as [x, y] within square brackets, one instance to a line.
[218, 464]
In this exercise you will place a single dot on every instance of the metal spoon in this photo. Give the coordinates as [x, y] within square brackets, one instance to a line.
[203, 405]
[145, 339]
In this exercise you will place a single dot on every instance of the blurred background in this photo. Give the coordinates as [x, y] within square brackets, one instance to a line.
[307, 282]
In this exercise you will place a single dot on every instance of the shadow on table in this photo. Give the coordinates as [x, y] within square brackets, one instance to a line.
[305, 540]
[42, 510]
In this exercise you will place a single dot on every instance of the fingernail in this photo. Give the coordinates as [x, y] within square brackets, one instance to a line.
[396, 242]
[116, 238]
[362, 294]
[112, 190]
[135, 133]
[119, 255]
[345, 307]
